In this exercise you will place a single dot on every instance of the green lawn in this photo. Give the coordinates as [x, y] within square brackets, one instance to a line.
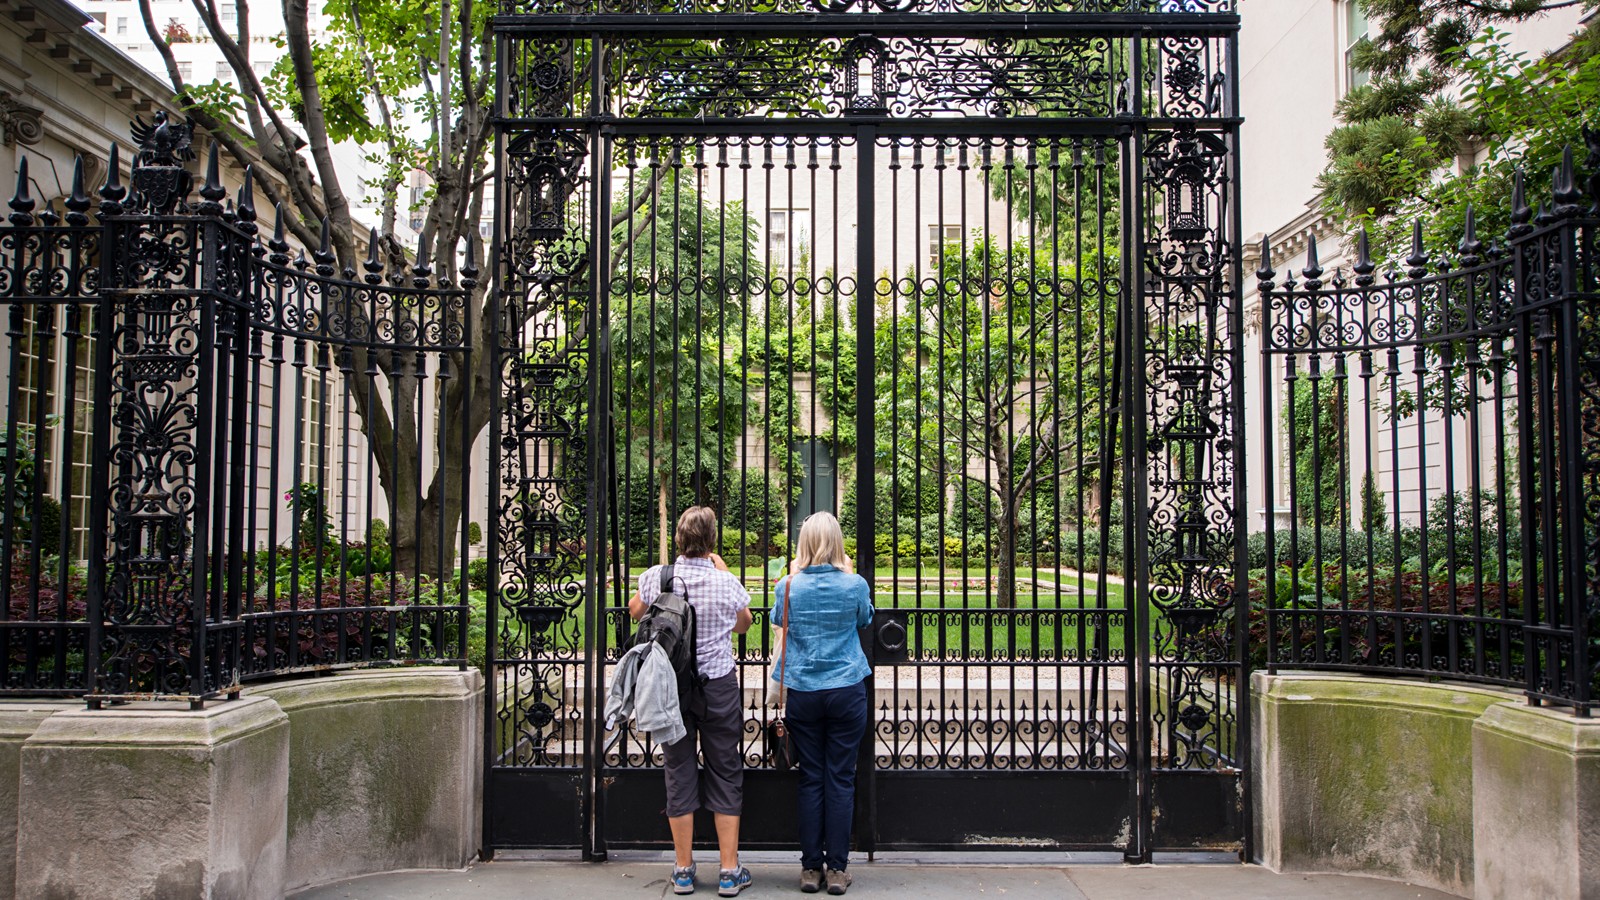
[952, 617]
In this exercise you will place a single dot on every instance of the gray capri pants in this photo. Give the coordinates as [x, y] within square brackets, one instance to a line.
[716, 718]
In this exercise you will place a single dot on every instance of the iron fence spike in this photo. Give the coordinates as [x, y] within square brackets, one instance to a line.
[1418, 260]
[78, 202]
[1313, 268]
[212, 191]
[374, 263]
[1568, 199]
[112, 192]
[1471, 248]
[1363, 267]
[1521, 212]
[22, 202]
[1264, 271]
[470, 271]
[278, 245]
[247, 195]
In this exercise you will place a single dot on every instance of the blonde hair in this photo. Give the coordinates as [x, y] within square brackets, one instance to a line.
[821, 543]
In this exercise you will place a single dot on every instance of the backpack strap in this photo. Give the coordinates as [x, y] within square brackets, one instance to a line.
[666, 578]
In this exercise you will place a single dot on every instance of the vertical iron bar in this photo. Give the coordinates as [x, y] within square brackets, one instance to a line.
[1571, 557]
[594, 572]
[866, 216]
[494, 335]
[99, 482]
[205, 426]
[1240, 468]
[1136, 527]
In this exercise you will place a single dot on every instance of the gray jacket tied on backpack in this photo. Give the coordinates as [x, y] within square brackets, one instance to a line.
[645, 689]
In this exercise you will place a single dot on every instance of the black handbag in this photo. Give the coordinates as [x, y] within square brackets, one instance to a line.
[780, 743]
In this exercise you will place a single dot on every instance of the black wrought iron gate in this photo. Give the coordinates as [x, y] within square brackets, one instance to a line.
[976, 267]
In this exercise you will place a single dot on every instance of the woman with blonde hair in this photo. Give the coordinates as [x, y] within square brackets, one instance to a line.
[820, 606]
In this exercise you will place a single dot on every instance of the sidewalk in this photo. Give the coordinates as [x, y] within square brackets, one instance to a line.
[645, 876]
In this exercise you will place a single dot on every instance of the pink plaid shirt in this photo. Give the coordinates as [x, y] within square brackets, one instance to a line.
[716, 596]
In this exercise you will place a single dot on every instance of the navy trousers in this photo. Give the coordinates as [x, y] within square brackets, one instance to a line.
[828, 727]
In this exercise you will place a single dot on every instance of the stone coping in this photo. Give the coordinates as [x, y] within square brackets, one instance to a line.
[368, 685]
[150, 724]
[19, 719]
[1445, 697]
[1552, 727]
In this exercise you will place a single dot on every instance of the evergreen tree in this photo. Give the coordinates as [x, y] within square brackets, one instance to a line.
[1444, 87]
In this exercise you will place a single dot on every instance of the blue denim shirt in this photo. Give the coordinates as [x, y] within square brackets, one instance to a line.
[828, 606]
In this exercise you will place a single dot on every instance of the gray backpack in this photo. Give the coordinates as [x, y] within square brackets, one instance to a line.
[669, 622]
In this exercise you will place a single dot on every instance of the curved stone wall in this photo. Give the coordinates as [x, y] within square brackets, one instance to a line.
[385, 771]
[297, 784]
[1437, 784]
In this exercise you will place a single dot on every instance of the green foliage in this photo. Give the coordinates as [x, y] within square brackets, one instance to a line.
[345, 90]
[1069, 194]
[1374, 507]
[979, 376]
[25, 499]
[758, 506]
[1315, 414]
[378, 532]
[816, 340]
[1395, 159]
[973, 508]
[478, 574]
[220, 99]
[372, 559]
[1429, 35]
[752, 509]
[311, 513]
[892, 500]
[1080, 549]
[680, 394]
[474, 533]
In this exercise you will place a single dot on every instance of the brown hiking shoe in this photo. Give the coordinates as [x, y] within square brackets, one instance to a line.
[810, 881]
[838, 882]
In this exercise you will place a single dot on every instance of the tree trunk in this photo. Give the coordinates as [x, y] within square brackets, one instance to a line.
[415, 537]
[1005, 596]
[661, 509]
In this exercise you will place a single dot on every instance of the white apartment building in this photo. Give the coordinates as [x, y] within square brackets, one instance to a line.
[1294, 58]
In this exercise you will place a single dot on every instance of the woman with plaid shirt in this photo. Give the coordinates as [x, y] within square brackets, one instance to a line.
[713, 715]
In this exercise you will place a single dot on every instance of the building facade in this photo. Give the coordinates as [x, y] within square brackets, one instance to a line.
[1295, 67]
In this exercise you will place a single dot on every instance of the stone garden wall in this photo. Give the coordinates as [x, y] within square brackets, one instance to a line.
[1457, 787]
[294, 784]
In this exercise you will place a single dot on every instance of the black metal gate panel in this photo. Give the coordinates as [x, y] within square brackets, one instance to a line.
[993, 279]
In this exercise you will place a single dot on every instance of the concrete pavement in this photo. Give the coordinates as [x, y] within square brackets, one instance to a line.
[934, 878]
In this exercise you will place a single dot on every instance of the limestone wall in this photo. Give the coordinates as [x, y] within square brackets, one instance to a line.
[1457, 787]
[295, 784]
[386, 772]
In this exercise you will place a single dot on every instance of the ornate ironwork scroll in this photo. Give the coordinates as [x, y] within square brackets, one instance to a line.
[1191, 387]
[912, 77]
[856, 7]
[543, 337]
[148, 386]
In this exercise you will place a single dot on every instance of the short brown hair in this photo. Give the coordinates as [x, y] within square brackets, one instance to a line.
[697, 531]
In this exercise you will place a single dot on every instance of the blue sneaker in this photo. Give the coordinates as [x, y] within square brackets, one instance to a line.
[733, 881]
[683, 880]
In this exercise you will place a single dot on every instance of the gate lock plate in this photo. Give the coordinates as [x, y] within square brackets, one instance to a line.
[889, 636]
